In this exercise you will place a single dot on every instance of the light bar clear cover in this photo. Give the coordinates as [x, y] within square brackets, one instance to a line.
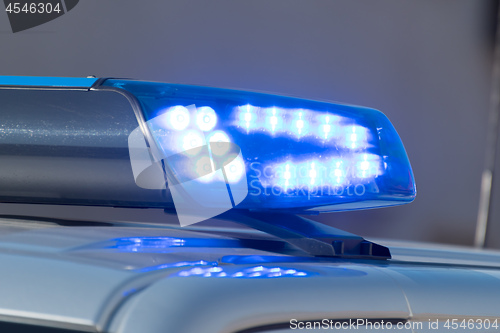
[296, 154]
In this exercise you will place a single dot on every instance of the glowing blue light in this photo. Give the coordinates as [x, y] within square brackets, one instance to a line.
[304, 147]
[219, 137]
[355, 137]
[285, 175]
[215, 269]
[191, 140]
[300, 125]
[146, 244]
[163, 244]
[274, 121]
[259, 272]
[314, 174]
[367, 165]
[204, 168]
[327, 128]
[328, 125]
[309, 175]
[176, 264]
[248, 117]
[178, 118]
[338, 172]
[206, 119]
[234, 170]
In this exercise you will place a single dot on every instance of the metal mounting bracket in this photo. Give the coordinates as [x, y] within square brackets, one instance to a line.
[312, 237]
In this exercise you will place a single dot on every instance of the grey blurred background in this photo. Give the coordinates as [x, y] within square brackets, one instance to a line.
[426, 64]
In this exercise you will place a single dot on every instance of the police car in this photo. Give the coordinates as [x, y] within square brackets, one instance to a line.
[251, 166]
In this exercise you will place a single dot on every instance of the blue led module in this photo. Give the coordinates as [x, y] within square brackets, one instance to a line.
[296, 154]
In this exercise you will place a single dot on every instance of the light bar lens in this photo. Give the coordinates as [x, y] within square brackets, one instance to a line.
[206, 118]
[297, 154]
[178, 118]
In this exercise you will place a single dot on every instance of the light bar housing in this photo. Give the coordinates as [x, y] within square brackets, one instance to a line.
[296, 155]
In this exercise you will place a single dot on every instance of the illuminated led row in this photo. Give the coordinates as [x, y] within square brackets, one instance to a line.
[253, 272]
[234, 169]
[194, 139]
[300, 123]
[192, 143]
[178, 118]
[146, 244]
[334, 172]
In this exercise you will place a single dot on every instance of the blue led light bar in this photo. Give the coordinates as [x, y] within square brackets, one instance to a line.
[295, 154]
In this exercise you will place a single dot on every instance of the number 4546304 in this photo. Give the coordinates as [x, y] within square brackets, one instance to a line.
[33, 8]
[472, 324]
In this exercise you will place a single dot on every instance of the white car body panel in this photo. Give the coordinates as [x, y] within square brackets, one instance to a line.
[76, 277]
